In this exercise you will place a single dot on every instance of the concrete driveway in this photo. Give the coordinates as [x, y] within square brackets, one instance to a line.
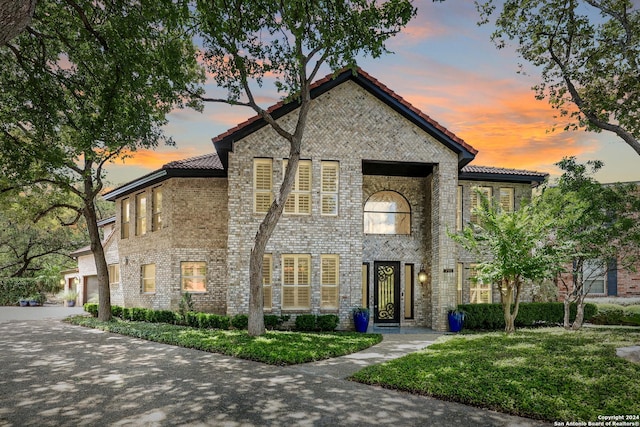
[54, 374]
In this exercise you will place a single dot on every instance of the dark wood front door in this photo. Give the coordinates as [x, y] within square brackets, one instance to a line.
[386, 291]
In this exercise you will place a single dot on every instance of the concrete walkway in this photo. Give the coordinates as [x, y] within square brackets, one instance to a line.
[53, 374]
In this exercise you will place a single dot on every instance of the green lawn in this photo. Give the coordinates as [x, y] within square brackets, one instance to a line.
[274, 348]
[550, 374]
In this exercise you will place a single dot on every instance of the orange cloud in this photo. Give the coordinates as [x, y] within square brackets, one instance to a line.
[155, 159]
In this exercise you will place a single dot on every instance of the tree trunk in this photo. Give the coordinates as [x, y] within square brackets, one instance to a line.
[507, 300]
[15, 15]
[102, 270]
[577, 323]
[567, 312]
[265, 230]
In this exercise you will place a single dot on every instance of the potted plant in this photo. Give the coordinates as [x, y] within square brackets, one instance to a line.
[456, 319]
[361, 318]
[35, 300]
[70, 297]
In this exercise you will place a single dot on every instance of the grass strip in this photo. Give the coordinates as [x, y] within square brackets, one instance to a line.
[549, 374]
[273, 348]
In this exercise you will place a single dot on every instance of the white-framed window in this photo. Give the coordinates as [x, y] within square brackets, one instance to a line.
[459, 280]
[507, 199]
[114, 274]
[594, 276]
[267, 281]
[299, 201]
[193, 276]
[156, 208]
[262, 185]
[296, 282]
[459, 208]
[141, 214]
[148, 275]
[329, 281]
[365, 285]
[387, 212]
[125, 218]
[479, 292]
[476, 200]
[330, 172]
[408, 290]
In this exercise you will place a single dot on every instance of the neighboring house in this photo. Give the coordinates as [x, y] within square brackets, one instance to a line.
[84, 279]
[379, 187]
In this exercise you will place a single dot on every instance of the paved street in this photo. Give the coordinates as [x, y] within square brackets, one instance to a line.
[52, 374]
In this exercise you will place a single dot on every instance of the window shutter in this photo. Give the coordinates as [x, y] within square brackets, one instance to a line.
[329, 266]
[263, 183]
[476, 200]
[299, 201]
[459, 208]
[266, 281]
[506, 199]
[329, 188]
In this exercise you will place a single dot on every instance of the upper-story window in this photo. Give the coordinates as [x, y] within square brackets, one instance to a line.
[476, 200]
[387, 212]
[507, 199]
[125, 217]
[262, 185]
[299, 201]
[141, 214]
[330, 172]
[156, 208]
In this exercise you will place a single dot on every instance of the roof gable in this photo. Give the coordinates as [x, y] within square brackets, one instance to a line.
[223, 143]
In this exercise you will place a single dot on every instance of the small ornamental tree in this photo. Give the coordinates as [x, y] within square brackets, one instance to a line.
[595, 227]
[514, 248]
[248, 41]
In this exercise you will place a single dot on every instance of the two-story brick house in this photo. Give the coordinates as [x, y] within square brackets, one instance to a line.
[379, 187]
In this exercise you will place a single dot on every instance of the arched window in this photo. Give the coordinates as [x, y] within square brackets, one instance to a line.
[387, 212]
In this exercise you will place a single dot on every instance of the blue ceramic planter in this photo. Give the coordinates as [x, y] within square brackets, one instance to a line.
[361, 321]
[456, 320]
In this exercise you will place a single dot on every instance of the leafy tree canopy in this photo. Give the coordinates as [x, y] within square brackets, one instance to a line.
[589, 54]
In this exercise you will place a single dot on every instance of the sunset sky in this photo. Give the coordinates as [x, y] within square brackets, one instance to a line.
[446, 66]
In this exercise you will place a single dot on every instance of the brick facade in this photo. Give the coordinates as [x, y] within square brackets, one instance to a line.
[212, 219]
[194, 228]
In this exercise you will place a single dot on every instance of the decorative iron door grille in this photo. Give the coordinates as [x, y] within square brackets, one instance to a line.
[386, 292]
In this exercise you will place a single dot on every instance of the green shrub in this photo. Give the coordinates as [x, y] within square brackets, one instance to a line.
[116, 311]
[273, 321]
[306, 322]
[221, 322]
[609, 314]
[91, 308]
[632, 315]
[327, 322]
[138, 314]
[190, 319]
[126, 313]
[12, 289]
[491, 316]
[161, 316]
[240, 321]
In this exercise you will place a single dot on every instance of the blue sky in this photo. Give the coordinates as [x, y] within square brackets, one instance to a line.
[446, 66]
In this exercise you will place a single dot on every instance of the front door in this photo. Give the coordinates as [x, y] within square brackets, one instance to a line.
[386, 291]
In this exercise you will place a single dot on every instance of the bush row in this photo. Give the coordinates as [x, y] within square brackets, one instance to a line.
[12, 289]
[491, 316]
[313, 322]
[614, 314]
[304, 322]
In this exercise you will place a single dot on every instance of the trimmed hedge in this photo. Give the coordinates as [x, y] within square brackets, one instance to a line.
[312, 322]
[190, 318]
[614, 314]
[14, 288]
[491, 317]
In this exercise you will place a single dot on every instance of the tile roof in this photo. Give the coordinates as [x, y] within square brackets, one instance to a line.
[500, 171]
[206, 161]
[360, 75]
